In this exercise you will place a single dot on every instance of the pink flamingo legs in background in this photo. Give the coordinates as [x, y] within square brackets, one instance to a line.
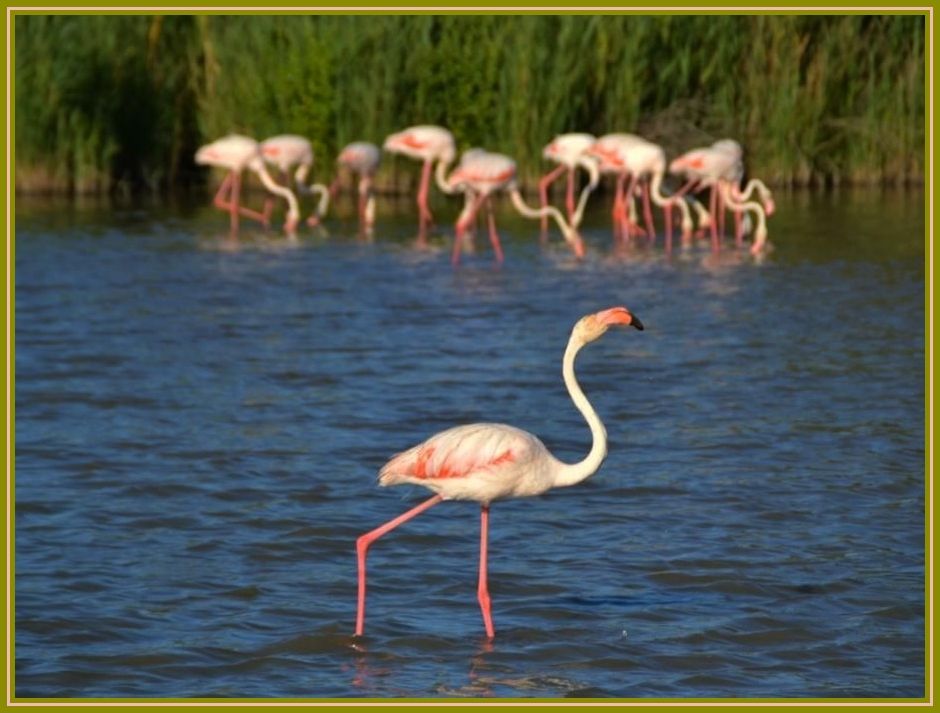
[426, 144]
[484, 462]
[236, 153]
[569, 152]
[480, 174]
[720, 167]
[362, 159]
[609, 151]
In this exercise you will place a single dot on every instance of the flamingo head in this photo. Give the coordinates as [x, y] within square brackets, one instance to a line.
[577, 245]
[392, 142]
[574, 240]
[760, 243]
[290, 224]
[206, 155]
[769, 205]
[594, 326]
[685, 164]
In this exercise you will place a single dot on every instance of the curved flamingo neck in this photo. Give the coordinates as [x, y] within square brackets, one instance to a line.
[570, 474]
[594, 177]
[293, 208]
[727, 193]
[300, 175]
[323, 203]
[440, 177]
[520, 205]
[664, 201]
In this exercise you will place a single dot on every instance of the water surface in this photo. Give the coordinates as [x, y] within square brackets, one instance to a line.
[199, 423]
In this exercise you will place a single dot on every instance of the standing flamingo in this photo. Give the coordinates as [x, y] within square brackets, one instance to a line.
[480, 174]
[287, 151]
[489, 461]
[236, 153]
[569, 152]
[609, 151]
[361, 158]
[427, 144]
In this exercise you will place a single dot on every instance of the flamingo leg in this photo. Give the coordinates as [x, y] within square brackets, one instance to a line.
[365, 192]
[424, 212]
[569, 197]
[618, 212]
[738, 228]
[467, 217]
[686, 187]
[648, 210]
[483, 593]
[231, 186]
[631, 228]
[721, 216]
[219, 200]
[233, 202]
[713, 209]
[361, 208]
[494, 236]
[544, 184]
[667, 212]
[362, 549]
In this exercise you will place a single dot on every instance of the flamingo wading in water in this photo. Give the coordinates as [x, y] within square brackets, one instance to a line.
[478, 175]
[236, 153]
[720, 167]
[608, 151]
[287, 151]
[362, 158]
[569, 152]
[427, 144]
[490, 461]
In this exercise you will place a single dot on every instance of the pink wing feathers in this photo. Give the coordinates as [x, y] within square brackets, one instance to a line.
[460, 452]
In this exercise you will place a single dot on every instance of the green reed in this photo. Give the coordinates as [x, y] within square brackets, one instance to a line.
[122, 102]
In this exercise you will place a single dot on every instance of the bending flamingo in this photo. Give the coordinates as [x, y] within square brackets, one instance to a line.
[609, 150]
[733, 201]
[706, 168]
[645, 163]
[427, 144]
[490, 461]
[287, 151]
[721, 167]
[480, 174]
[362, 158]
[236, 153]
[569, 152]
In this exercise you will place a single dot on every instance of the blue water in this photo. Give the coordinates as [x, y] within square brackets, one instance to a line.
[199, 424]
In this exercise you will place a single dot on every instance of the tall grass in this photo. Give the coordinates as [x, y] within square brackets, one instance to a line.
[122, 102]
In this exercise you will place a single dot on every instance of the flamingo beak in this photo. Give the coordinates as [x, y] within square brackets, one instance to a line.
[619, 315]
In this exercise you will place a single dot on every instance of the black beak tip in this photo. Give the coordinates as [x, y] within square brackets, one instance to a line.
[637, 323]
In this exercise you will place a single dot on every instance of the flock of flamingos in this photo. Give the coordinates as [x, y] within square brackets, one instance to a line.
[639, 167]
[483, 462]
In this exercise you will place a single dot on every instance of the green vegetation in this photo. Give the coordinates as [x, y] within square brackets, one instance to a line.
[122, 102]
